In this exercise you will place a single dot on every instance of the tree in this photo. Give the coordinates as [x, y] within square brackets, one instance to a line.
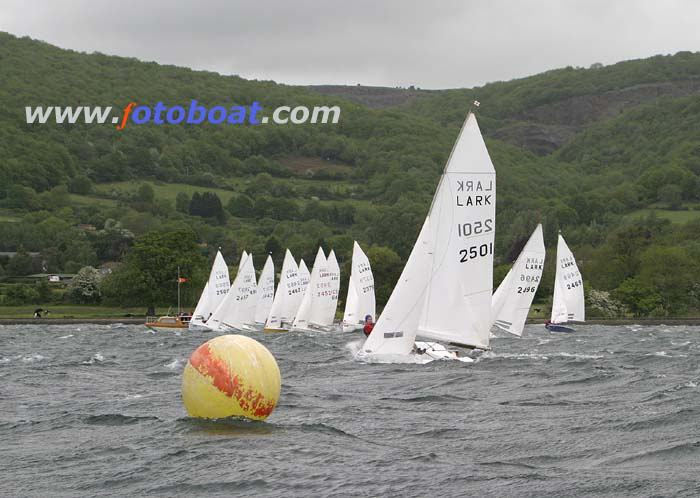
[207, 205]
[149, 273]
[241, 206]
[671, 272]
[85, 286]
[638, 297]
[81, 184]
[182, 202]
[21, 263]
[671, 195]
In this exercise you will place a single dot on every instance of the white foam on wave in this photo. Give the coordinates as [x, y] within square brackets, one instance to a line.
[174, 364]
[95, 359]
[32, 358]
[66, 336]
[353, 347]
[539, 356]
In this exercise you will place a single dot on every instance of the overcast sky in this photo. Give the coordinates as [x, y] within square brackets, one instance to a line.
[430, 44]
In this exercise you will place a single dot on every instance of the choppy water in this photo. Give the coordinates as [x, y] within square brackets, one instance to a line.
[96, 411]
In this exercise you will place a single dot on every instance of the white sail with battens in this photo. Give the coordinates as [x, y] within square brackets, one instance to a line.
[568, 303]
[266, 291]
[311, 301]
[287, 297]
[237, 309]
[214, 292]
[360, 301]
[513, 298]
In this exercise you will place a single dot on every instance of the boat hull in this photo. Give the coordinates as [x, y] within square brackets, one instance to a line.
[559, 328]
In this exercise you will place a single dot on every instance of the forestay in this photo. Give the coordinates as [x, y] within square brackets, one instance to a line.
[568, 303]
[513, 298]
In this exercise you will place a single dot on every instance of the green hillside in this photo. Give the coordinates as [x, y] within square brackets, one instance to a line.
[592, 152]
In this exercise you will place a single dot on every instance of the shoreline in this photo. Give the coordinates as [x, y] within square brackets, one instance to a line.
[530, 321]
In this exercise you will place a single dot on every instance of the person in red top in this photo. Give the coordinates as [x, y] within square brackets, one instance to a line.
[369, 325]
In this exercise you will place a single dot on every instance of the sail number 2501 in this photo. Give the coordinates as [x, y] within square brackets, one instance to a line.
[473, 252]
[474, 228]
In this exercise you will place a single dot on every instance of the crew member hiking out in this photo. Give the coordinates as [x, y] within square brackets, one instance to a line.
[369, 325]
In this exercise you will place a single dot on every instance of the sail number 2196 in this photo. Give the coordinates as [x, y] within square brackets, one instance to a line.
[474, 252]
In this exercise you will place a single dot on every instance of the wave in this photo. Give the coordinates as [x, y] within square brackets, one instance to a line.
[112, 419]
[96, 358]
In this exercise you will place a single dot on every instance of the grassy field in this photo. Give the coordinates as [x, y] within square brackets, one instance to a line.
[673, 216]
[74, 311]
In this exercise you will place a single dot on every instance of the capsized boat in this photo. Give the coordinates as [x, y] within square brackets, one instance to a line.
[444, 292]
[513, 298]
[214, 292]
[568, 303]
[266, 292]
[360, 301]
[287, 297]
[237, 310]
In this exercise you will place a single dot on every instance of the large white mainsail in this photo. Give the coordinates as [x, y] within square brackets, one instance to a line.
[324, 315]
[304, 275]
[360, 301]
[513, 298]
[266, 291]
[287, 297]
[445, 288]
[238, 307]
[311, 300]
[568, 302]
[462, 226]
[214, 292]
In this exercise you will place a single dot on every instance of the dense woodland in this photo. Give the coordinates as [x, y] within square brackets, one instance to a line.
[608, 155]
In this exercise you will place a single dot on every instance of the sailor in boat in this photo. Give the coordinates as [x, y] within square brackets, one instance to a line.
[369, 325]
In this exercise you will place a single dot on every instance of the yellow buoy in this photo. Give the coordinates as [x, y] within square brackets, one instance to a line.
[231, 375]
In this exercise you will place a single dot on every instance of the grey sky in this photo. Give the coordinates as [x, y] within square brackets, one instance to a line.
[431, 44]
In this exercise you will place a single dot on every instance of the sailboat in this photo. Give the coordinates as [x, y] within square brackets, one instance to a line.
[513, 298]
[214, 292]
[304, 275]
[237, 310]
[287, 297]
[308, 313]
[444, 292]
[266, 292]
[360, 301]
[568, 303]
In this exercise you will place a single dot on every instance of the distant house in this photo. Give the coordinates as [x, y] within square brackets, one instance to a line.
[62, 278]
[87, 227]
[109, 267]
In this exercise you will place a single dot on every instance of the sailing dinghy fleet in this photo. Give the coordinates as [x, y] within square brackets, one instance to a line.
[443, 304]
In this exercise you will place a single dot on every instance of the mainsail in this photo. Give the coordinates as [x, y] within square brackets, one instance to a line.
[238, 307]
[266, 291]
[287, 297]
[304, 275]
[360, 301]
[444, 292]
[311, 300]
[513, 298]
[214, 292]
[328, 293]
[568, 302]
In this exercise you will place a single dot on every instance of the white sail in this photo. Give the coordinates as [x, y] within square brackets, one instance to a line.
[244, 256]
[266, 291]
[214, 292]
[360, 301]
[513, 298]
[304, 275]
[568, 303]
[327, 293]
[457, 307]
[238, 307]
[287, 297]
[311, 300]
[395, 331]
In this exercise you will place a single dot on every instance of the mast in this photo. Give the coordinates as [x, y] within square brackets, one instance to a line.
[178, 290]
